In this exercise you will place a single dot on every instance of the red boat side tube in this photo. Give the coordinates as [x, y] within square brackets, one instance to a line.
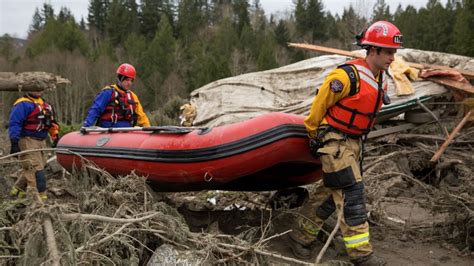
[265, 153]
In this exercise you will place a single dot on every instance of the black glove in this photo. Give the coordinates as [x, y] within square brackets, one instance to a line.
[314, 145]
[14, 147]
[386, 99]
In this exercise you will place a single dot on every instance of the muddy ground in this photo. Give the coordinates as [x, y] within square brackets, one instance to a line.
[421, 213]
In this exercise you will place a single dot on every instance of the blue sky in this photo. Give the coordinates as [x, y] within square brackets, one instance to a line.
[16, 15]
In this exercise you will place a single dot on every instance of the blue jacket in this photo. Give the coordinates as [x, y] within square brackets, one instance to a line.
[98, 107]
[18, 116]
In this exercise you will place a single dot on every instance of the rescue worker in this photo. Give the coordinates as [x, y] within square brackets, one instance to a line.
[342, 114]
[31, 119]
[116, 105]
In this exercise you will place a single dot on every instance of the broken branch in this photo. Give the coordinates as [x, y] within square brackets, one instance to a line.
[100, 218]
[445, 145]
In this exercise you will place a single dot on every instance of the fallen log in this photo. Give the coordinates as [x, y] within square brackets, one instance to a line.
[30, 81]
[466, 73]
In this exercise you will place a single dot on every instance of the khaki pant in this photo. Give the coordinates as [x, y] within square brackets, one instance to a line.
[340, 161]
[31, 162]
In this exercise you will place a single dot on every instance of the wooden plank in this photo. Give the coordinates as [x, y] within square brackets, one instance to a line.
[327, 50]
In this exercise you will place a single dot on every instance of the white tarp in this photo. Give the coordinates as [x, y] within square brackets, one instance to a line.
[291, 88]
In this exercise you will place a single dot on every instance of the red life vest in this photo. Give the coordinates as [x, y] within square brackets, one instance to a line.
[41, 118]
[121, 107]
[355, 114]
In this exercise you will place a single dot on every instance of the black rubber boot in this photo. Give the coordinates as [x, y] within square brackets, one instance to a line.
[301, 251]
[370, 260]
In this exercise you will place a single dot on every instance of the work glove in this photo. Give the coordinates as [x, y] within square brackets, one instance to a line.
[54, 140]
[386, 99]
[14, 147]
[314, 145]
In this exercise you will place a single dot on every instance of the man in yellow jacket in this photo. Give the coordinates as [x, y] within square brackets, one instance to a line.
[116, 105]
[342, 114]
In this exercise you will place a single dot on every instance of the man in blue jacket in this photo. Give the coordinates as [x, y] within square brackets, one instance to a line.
[116, 105]
[31, 119]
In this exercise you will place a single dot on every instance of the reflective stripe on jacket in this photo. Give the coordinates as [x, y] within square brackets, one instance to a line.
[355, 114]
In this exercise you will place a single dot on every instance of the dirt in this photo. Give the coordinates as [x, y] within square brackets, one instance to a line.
[420, 213]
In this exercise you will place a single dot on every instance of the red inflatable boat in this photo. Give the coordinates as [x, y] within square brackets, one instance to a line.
[268, 152]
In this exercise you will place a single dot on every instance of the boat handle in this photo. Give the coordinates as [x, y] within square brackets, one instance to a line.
[208, 177]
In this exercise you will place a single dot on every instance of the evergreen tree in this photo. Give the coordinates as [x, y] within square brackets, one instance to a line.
[6, 46]
[381, 11]
[241, 14]
[435, 25]
[462, 38]
[406, 22]
[71, 38]
[168, 10]
[97, 16]
[149, 17]
[65, 15]
[122, 20]
[136, 46]
[159, 56]
[256, 4]
[282, 36]
[331, 25]
[65, 37]
[82, 24]
[266, 58]
[47, 12]
[301, 17]
[248, 41]
[316, 20]
[349, 26]
[192, 15]
[37, 22]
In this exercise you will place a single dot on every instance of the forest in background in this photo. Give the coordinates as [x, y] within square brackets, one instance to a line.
[179, 46]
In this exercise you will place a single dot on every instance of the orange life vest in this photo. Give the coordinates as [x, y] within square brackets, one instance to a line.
[121, 107]
[355, 114]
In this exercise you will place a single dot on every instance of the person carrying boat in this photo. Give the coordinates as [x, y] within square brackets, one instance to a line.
[31, 119]
[116, 105]
[342, 114]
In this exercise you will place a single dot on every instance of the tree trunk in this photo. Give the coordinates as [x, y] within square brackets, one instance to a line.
[30, 81]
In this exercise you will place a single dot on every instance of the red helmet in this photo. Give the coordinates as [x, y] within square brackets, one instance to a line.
[127, 70]
[381, 34]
